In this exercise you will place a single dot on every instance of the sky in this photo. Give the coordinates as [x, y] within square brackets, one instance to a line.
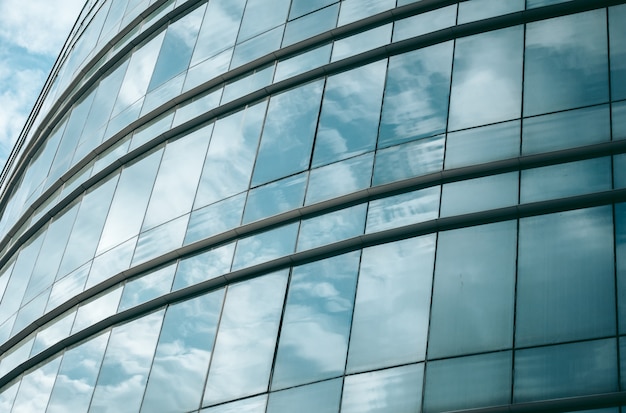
[32, 33]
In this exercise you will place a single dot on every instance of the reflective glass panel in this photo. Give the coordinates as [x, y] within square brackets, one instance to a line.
[288, 133]
[126, 364]
[316, 323]
[353, 10]
[77, 376]
[311, 25]
[266, 246]
[332, 227]
[424, 23]
[7, 396]
[244, 349]
[565, 285]
[408, 160]
[362, 42]
[468, 382]
[183, 352]
[340, 178]
[618, 120]
[487, 78]
[479, 194]
[390, 321]
[302, 63]
[301, 7]
[230, 158]
[566, 130]
[322, 397]
[619, 171]
[416, 95]
[160, 240]
[620, 249]
[68, 286]
[219, 28]
[567, 179]
[204, 266]
[401, 210]
[147, 287]
[197, 106]
[251, 405]
[257, 46]
[348, 122]
[53, 332]
[274, 198]
[111, 262]
[564, 371]
[97, 309]
[473, 10]
[617, 33]
[216, 218]
[566, 63]
[261, 15]
[35, 388]
[393, 390]
[473, 295]
[257, 79]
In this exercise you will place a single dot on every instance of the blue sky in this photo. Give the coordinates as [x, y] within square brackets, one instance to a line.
[32, 33]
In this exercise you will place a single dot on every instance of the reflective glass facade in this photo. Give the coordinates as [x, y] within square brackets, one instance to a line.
[270, 206]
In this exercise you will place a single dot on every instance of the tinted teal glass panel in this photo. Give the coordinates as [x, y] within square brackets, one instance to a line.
[409, 160]
[620, 249]
[619, 120]
[361, 42]
[266, 246]
[473, 295]
[473, 10]
[332, 227]
[262, 15]
[348, 122]
[566, 130]
[340, 178]
[392, 305]
[302, 63]
[160, 240]
[487, 78]
[617, 37]
[35, 388]
[401, 210]
[255, 80]
[301, 7]
[30, 311]
[416, 95]
[230, 158]
[322, 397]
[68, 286]
[566, 63]
[353, 10]
[216, 218]
[393, 390]
[204, 266]
[177, 48]
[468, 382]
[251, 405]
[184, 352]
[257, 46]
[619, 171]
[244, 349]
[316, 323]
[77, 376]
[565, 371]
[53, 332]
[567, 179]
[219, 28]
[126, 365]
[97, 309]
[311, 25]
[424, 23]
[147, 287]
[113, 261]
[288, 133]
[566, 279]
[479, 194]
[274, 198]
[484, 144]
[7, 397]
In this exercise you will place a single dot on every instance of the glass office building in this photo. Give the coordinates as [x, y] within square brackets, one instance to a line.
[269, 206]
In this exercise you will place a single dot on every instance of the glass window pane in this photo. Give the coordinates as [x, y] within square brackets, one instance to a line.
[77, 376]
[402, 210]
[97, 309]
[408, 160]
[147, 287]
[112, 262]
[619, 171]
[322, 397]
[340, 178]
[208, 69]
[177, 179]
[243, 352]
[302, 63]
[7, 397]
[36, 386]
[416, 95]
[468, 382]
[219, 28]
[332, 227]
[204, 266]
[487, 78]
[177, 48]
[257, 46]
[311, 25]
[53, 332]
[274, 198]
[130, 201]
[255, 80]
[183, 354]
[362, 42]
[393, 390]
[479, 194]
[617, 33]
[197, 106]
[484, 144]
[473, 295]
[566, 63]
[251, 405]
[565, 371]
[68, 286]
[473, 10]
[230, 158]
[160, 240]
[302, 7]
[350, 111]
[353, 10]
[618, 120]
[126, 364]
[567, 179]
[424, 23]
[316, 323]
[262, 15]
[288, 133]
[214, 219]
[266, 246]
[566, 130]
[620, 249]
[566, 280]
[392, 305]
